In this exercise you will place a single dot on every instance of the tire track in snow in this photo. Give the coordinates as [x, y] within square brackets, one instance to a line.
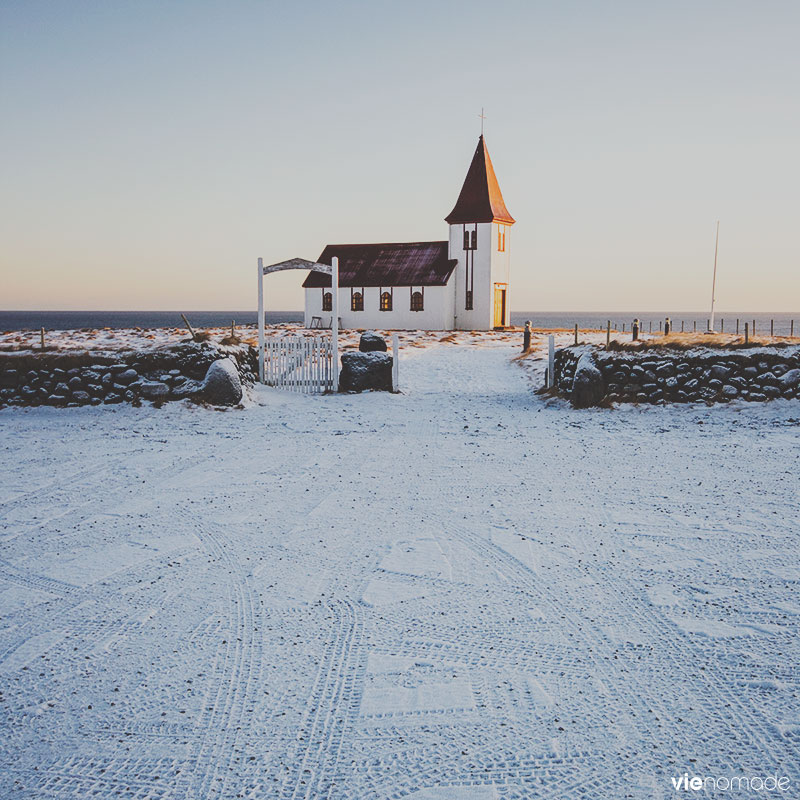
[222, 724]
[332, 707]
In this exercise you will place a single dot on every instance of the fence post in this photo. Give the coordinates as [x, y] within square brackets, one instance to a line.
[791, 328]
[395, 362]
[261, 320]
[746, 332]
[681, 326]
[551, 359]
[772, 327]
[608, 334]
[722, 326]
[576, 333]
[737, 326]
[753, 329]
[335, 321]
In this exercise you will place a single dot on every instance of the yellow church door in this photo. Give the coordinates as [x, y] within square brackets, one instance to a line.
[500, 294]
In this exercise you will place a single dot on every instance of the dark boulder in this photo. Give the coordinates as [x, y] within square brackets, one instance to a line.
[186, 388]
[370, 342]
[366, 371]
[152, 390]
[127, 376]
[588, 386]
[790, 379]
[222, 385]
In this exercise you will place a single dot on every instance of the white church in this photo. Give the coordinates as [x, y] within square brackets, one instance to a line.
[459, 284]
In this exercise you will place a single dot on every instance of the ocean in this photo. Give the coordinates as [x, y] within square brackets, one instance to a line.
[70, 320]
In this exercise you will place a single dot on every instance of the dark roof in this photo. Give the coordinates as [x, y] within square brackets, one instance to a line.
[403, 264]
[480, 199]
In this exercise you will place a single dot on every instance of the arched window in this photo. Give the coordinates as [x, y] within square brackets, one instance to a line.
[417, 301]
[474, 241]
[357, 301]
[327, 301]
[386, 301]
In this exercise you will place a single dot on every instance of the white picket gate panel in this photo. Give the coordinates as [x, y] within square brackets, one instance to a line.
[299, 364]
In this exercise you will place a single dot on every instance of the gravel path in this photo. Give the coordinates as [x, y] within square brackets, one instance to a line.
[459, 593]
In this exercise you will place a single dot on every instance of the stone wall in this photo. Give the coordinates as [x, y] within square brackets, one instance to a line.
[73, 378]
[677, 376]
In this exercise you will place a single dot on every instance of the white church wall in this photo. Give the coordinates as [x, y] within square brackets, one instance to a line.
[481, 315]
[437, 313]
[501, 266]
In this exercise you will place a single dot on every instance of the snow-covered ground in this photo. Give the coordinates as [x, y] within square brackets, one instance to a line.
[462, 592]
[120, 339]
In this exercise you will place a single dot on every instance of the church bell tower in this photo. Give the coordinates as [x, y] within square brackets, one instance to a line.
[480, 240]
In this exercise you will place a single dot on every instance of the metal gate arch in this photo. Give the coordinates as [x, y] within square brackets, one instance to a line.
[311, 367]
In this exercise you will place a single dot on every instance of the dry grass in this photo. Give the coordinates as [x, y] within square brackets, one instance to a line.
[690, 341]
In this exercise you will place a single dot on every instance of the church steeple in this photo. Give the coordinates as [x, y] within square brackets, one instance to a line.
[481, 199]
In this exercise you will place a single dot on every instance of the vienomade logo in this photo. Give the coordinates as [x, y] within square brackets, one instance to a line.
[735, 783]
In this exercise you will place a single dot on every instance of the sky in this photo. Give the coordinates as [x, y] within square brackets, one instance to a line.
[152, 151]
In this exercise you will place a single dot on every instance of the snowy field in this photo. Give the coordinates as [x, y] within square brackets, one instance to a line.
[462, 592]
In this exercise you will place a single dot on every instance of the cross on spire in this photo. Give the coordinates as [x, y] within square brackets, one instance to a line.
[482, 118]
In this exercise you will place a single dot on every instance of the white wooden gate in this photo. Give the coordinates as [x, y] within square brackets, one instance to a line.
[299, 363]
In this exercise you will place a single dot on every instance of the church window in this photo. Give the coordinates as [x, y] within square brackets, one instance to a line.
[501, 238]
[357, 301]
[468, 303]
[474, 240]
[466, 239]
[417, 301]
[327, 301]
[386, 301]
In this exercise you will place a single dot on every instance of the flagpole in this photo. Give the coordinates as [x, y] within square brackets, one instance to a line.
[714, 282]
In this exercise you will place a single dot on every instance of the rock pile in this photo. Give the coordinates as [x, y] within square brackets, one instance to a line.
[590, 375]
[370, 369]
[190, 369]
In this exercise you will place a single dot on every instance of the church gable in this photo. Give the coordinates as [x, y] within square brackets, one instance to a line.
[386, 264]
